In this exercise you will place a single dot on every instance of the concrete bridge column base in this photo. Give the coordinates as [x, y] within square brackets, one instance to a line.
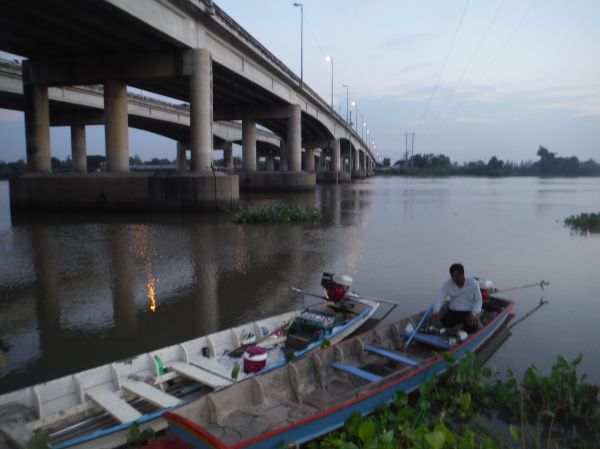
[138, 191]
[260, 181]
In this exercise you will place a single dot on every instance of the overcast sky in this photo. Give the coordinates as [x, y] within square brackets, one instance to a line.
[471, 79]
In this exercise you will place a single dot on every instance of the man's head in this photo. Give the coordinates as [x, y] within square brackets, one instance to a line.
[457, 273]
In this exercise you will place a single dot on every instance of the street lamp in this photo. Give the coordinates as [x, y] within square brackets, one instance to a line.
[355, 106]
[330, 59]
[301, 42]
[362, 131]
[346, 86]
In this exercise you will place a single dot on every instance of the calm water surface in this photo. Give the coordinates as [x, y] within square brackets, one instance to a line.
[76, 290]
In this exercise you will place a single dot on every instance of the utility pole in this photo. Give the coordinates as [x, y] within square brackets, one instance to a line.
[406, 148]
[413, 149]
[301, 42]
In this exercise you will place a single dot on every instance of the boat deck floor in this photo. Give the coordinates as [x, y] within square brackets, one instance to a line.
[250, 421]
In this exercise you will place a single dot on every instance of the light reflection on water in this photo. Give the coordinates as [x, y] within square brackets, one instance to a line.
[74, 289]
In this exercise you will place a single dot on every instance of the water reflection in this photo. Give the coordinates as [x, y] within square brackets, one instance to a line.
[74, 288]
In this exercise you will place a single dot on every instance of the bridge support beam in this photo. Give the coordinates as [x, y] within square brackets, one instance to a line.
[116, 126]
[270, 163]
[294, 138]
[334, 146]
[309, 165]
[249, 145]
[37, 126]
[78, 149]
[283, 156]
[228, 156]
[201, 135]
[181, 157]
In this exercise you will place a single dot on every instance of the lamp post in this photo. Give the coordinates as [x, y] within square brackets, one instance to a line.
[301, 42]
[347, 108]
[355, 105]
[330, 59]
[362, 131]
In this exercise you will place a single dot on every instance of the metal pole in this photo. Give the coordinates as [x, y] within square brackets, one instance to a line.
[347, 108]
[301, 42]
[332, 83]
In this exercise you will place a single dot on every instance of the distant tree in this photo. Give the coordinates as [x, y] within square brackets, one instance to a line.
[495, 164]
[547, 160]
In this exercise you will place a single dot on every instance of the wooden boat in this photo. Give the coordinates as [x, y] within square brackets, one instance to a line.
[312, 396]
[95, 408]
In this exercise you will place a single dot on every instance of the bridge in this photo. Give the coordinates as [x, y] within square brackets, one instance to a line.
[188, 50]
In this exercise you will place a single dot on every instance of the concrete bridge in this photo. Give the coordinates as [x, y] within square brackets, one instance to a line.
[189, 50]
[78, 106]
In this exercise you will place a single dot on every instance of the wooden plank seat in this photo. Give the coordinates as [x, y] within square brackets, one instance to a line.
[113, 404]
[432, 340]
[200, 375]
[357, 372]
[150, 393]
[392, 355]
[211, 365]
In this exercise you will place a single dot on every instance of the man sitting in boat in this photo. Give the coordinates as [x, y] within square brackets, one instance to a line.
[465, 301]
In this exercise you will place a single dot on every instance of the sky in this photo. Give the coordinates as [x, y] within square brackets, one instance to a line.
[471, 79]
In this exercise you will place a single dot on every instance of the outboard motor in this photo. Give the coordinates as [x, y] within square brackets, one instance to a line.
[336, 286]
[487, 288]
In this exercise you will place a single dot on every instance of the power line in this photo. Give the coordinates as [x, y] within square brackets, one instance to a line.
[461, 77]
[444, 64]
[492, 62]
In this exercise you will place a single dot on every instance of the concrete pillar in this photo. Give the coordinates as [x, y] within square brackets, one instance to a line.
[181, 157]
[294, 137]
[37, 128]
[283, 156]
[228, 156]
[270, 163]
[78, 152]
[116, 126]
[334, 145]
[310, 160]
[201, 110]
[249, 145]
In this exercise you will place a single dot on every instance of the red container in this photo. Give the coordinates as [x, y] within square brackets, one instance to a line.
[255, 359]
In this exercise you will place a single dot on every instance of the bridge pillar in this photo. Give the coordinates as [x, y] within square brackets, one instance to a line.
[294, 138]
[334, 145]
[249, 144]
[78, 150]
[37, 127]
[283, 158]
[270, 163]
[309, 165]
[181, 157]
[201, 135]
[228, 156]
[115, 126]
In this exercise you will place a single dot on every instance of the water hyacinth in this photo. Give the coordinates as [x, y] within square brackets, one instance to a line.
[276, 213]
[584, 222]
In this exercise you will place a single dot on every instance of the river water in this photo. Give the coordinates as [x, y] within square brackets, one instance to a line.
[76, 290]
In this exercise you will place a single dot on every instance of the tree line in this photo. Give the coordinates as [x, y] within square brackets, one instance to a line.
[549, 164]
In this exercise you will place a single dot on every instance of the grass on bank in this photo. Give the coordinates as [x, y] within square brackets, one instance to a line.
[585, 222]
[466, 409]
[276, 213]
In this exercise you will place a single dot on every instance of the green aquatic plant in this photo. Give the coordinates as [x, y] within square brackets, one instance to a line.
[276, 213]
[585, 222]
[470, 407]
[137, 437]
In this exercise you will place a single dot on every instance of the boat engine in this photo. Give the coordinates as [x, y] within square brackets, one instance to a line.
[487, 288]
[336, 286]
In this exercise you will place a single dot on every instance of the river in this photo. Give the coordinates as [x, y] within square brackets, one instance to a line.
[78, 291]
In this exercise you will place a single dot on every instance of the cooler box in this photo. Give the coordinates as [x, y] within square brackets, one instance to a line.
[255, 359]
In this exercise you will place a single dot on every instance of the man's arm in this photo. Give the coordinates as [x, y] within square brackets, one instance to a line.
[437, 305]
[477, 300]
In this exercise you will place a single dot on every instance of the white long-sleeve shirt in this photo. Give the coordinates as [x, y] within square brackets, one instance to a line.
[462, 299]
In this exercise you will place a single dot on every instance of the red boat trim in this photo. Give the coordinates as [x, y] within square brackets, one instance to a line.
[213, 441]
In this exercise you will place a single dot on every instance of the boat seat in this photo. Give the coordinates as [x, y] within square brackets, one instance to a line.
[113, 404]
[200, 375]
[357, 372]
[152, 394]
[211, 365]
[432, 340]
[392, 355]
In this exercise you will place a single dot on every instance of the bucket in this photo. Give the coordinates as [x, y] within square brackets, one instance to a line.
[255, 359]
